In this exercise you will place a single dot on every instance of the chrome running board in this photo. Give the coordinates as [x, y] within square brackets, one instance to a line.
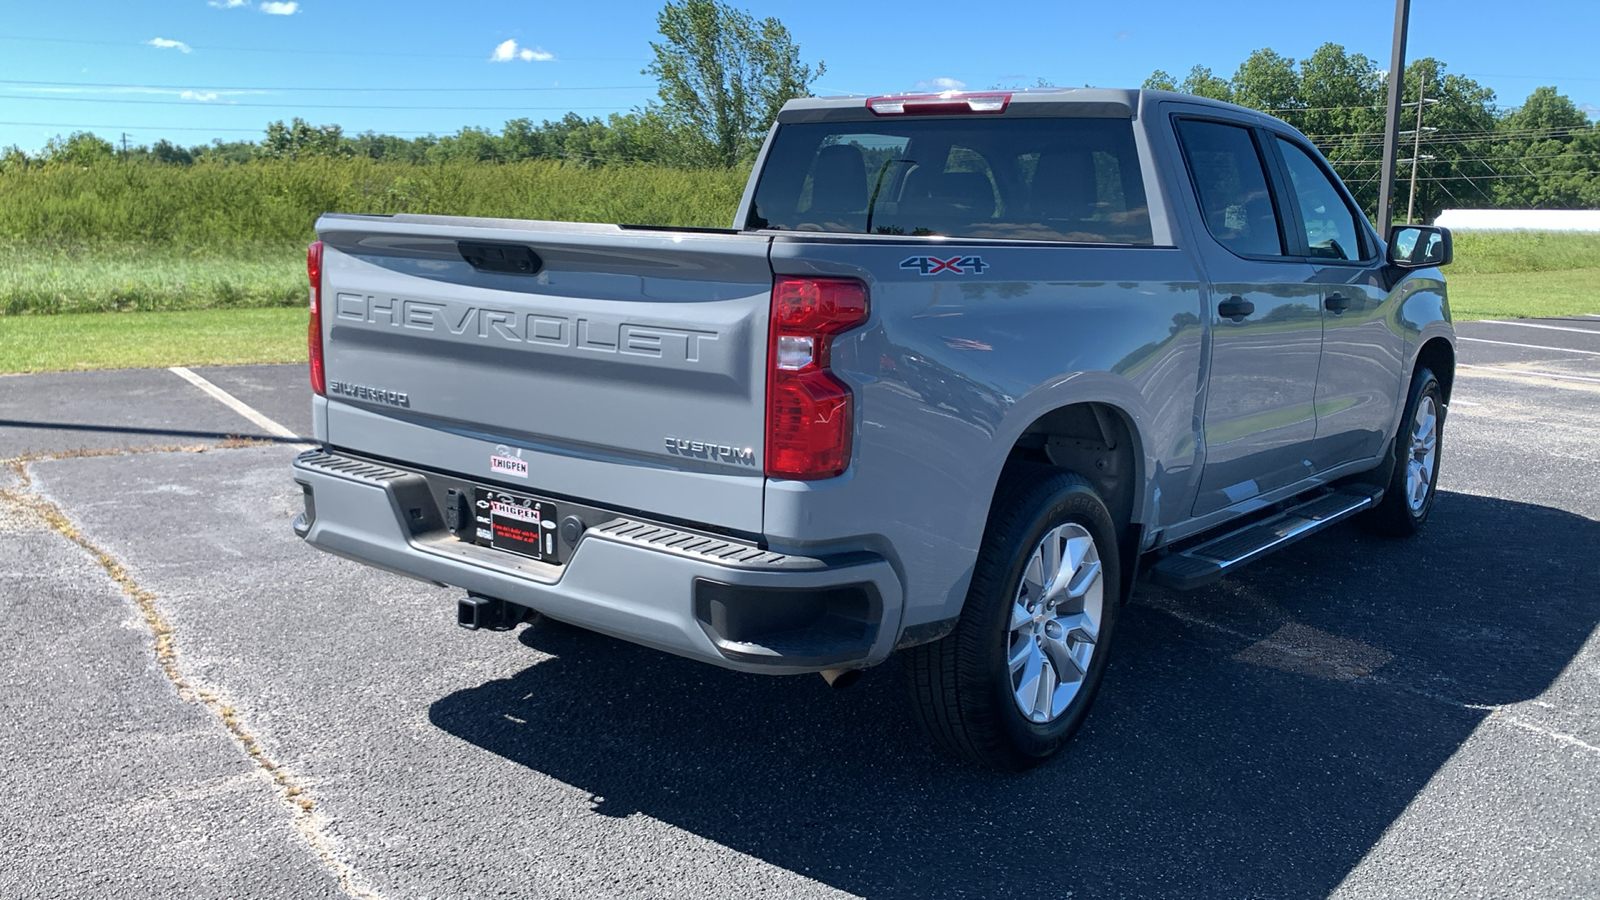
[1205, 563]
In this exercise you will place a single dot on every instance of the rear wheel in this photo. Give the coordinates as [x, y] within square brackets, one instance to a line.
[1013, 682]
[1409, 496]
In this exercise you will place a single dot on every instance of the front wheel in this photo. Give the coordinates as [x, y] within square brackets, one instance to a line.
[1013, 682]
[1409, 496]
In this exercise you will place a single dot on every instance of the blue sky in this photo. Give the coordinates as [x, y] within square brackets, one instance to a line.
[193, 70]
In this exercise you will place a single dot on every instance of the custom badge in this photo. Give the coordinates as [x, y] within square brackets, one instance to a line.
[505, 461]
[955, 265]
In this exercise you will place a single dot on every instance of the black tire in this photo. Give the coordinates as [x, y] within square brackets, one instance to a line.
[1396, 515]
[961, 686]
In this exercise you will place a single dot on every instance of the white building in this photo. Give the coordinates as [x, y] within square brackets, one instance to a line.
[1520, 219]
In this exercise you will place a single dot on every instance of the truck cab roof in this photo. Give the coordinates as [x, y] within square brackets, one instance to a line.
[1085, 102]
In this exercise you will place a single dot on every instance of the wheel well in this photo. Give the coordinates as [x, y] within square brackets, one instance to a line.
[1093, 440]
[1439, 356]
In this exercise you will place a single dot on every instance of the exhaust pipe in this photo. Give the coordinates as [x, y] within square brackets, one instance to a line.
[476, 611]
[839, 679]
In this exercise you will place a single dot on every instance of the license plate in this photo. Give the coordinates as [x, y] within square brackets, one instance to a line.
[516, 524]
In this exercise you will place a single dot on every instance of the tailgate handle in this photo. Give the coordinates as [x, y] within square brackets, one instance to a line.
[509, 259]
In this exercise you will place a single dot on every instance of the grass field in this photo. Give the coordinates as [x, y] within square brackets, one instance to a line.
[207, 337]
[1524, 295]
[147, 237]
[59, 277]
[206, 264]
[214, 205]
[1508, 275]
[1494, 276]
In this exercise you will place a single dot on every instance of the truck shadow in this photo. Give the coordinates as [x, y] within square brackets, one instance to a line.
[1253, 739]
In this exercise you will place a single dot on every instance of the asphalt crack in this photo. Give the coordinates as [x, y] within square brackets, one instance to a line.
[22, 501]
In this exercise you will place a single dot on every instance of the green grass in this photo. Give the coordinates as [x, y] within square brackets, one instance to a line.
[1519, 295]
[1492, 252]
[208, 337]
[225, 244]
[1524, 274]
[215, 236]
[217, 205]
[51, 277]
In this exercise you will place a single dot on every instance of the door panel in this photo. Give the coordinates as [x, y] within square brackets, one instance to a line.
[1260, 416]
[1362, 352]
[1260, 412]
[1358, 381]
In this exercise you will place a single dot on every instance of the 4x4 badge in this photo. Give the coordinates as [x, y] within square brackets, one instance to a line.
[933, 265]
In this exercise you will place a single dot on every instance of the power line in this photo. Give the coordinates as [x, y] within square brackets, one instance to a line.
[1512, 175]
[1468, 133]
[208, 104]
[1359, 138]
[418, 90]
[176, 128]
[1578, 155]
[1531, 77]
[1277, 109]
[1317, 108]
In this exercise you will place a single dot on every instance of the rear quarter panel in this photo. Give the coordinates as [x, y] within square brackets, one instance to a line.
[952, 368]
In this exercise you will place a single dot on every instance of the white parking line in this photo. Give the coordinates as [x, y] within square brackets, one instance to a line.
[1528, 373]
[233, 403]
[1539, 325]
[1529, 346]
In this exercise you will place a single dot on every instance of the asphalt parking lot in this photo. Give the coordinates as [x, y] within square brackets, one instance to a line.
[195, 704]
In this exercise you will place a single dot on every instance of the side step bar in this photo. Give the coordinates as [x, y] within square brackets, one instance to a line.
[1202, 564]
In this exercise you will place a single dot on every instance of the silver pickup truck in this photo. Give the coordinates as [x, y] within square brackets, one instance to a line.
[967, 367]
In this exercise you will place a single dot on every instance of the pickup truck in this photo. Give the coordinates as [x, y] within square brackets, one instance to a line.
[966, 368]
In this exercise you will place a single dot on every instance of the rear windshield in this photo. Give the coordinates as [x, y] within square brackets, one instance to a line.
[1053, 179]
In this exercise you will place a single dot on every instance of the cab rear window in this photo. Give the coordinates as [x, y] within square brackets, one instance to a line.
[1048, 179]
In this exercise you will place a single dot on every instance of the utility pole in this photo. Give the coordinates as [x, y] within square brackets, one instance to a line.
[1391, 122]
[124, 145]
[1416, 147]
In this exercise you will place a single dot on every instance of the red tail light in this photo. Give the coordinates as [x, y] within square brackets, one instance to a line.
[314, 330]
[810, 412]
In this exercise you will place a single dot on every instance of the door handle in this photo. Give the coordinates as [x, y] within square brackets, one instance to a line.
[1336, 303]
[1235, 308]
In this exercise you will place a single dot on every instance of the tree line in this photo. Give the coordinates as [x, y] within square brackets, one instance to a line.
[722, 76]
[1468, 152]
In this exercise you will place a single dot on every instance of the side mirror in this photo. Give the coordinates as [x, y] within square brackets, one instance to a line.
[1419, 246]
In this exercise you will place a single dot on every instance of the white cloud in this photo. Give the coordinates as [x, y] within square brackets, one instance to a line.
[1589, 109]
[940, 84]
[507, 50]
[165, 44]
[274, 8]
[227, 4]
[202, 96]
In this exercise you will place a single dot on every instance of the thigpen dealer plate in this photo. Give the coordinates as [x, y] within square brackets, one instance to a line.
[516, 524]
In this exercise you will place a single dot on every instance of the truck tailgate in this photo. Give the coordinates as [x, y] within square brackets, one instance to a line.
[620, 367]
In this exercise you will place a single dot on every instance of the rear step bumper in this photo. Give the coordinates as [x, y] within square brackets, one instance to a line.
[702, 597]
[1207, 562]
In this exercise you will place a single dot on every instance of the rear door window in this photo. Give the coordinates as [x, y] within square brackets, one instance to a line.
[1051, 179]
[1230, 181]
